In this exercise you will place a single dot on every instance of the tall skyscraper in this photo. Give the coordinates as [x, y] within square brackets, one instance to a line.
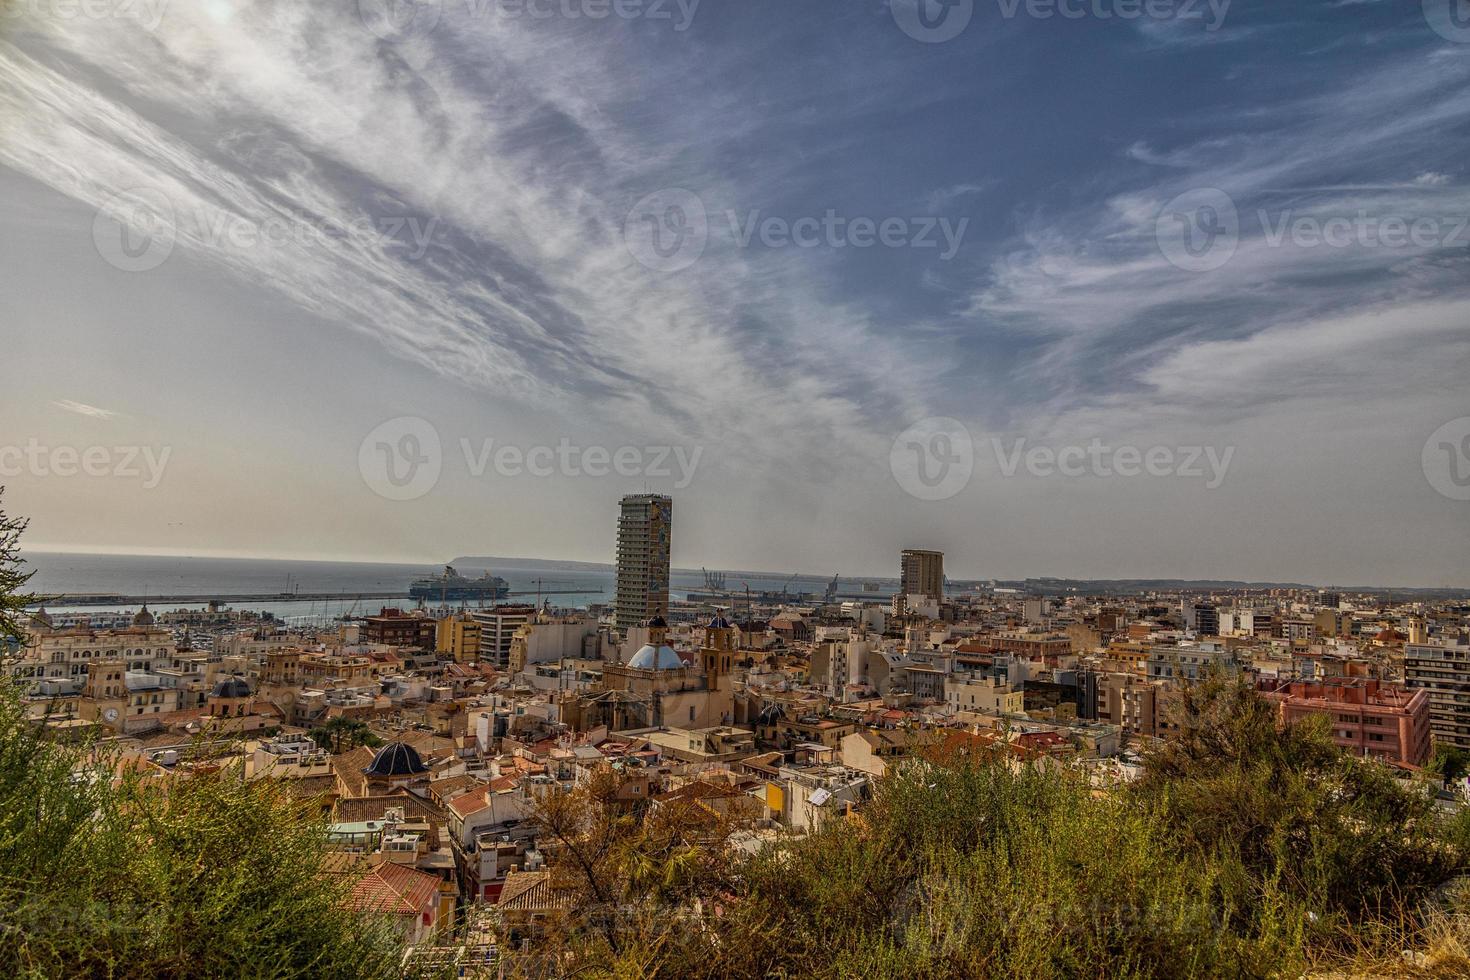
[644, 530]
[922, 573]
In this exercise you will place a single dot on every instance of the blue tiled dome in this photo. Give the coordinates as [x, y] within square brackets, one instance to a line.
[396, 759]
[232, 687]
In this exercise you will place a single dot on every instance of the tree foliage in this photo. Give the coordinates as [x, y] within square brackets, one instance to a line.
[105, 872]
[1245, 849]
[13, 578]
[203, 875]
[343, 735]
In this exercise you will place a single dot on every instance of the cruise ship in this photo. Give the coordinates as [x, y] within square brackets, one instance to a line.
[453, 586]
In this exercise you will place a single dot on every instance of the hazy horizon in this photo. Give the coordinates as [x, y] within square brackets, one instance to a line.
[681, 567]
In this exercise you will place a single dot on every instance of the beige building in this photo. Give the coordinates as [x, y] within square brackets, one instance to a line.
[549, 641]
[658, 688]
[125, 701]
[984, 695]
[65, 654]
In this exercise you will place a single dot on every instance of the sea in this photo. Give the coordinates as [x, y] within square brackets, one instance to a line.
[161, 575]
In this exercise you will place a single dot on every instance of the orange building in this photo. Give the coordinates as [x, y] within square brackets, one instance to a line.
[1369, 718]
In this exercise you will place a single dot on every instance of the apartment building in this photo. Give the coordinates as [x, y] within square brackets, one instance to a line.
[64, 654]
[1190, 664]
[921, 573]
[1442, 668]
[1368, 717]
[498, 627]
[645, 533]
[985, 695]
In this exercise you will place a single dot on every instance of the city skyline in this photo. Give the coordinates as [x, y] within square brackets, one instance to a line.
[1098, 297]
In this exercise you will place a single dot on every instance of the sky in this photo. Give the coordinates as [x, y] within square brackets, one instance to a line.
[1088, 289]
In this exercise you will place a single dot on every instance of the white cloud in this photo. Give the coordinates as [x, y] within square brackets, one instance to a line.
[81, 408]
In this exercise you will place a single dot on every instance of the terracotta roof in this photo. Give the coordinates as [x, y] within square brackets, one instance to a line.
[699, 790]
[468, 803]
[532, 891]
[395, 888]
[447, 789]
[366, 808]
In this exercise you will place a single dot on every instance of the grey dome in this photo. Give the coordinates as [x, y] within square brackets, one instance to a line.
[656, 658]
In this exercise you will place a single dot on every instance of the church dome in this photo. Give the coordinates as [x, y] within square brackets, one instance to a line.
[656, 658]
[232, 687]
[144, 617]
[396, 759]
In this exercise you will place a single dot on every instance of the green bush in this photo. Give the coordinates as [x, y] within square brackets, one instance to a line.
[203, 876]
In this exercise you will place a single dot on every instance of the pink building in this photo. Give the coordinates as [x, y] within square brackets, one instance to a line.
[1369, 718]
